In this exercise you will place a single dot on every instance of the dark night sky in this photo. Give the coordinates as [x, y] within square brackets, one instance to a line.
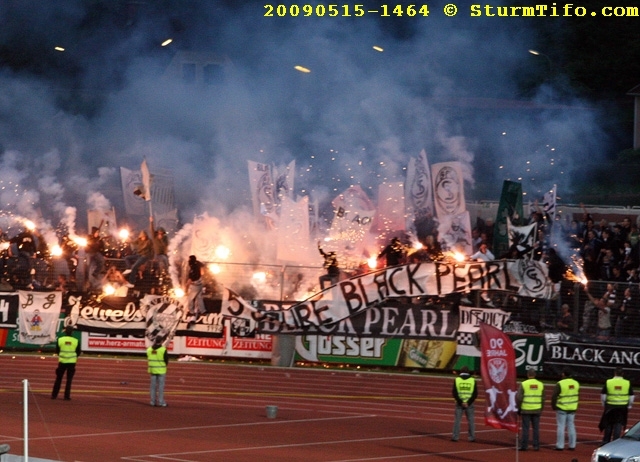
[69, 120]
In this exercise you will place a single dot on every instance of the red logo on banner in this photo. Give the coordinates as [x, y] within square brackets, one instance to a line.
[498, 368]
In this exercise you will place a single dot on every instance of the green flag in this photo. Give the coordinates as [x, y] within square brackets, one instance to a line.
[510, 207]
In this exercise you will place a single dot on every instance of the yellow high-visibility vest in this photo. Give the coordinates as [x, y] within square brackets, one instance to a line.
[155, 359]
[569, 394]
[533, 391]
[465, 388]
[68, 346]
[618, 391]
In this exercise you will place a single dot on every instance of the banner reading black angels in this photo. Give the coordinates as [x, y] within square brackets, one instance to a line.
[588, 358]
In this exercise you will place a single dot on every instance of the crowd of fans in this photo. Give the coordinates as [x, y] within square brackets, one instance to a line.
[94, 264]
[607, 253]
[602, 258]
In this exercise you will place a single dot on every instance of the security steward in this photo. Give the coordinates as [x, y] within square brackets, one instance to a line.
[465, 393]
[564, 401]
[68, 349]
[617, 398]
[157, 360]
[530, 400]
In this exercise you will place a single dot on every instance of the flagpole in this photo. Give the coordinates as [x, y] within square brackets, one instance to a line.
[517, 437]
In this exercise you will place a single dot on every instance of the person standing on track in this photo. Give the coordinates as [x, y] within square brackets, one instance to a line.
[68, 349]
[565, 402]
[157, 360]
[530, 400]
[465, 393]
[617, 399]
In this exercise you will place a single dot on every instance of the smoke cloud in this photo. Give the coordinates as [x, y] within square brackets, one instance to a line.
[69, 119]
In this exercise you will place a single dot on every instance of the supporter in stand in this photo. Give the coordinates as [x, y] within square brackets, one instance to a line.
[610, 246]
[628, 256]
[331, 265]
[69, 253]
[541, 245]
[625, 312]
[573, 235]
[115, 278]
[25, 243]
[95, 259]
[483, 253]
[143, 253]
[605, 263]
[394, 253]
[476, 239]
[603, 313]
[590, 251]
[160, 246]
[587, 225]
[565, 323]
[194, 286]
[634, 236]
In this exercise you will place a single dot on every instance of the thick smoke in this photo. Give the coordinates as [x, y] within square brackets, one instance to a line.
[70, 119]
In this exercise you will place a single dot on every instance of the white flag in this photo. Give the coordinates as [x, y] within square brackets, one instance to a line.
[419, 190]
[293, 231]
[448, 188]
[132, 179]
[284, 177]
[39, 314]
[262, 190]
[146, 181]
[549, 203]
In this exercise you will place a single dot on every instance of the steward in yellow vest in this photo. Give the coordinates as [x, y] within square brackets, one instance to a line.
[68, 349]
[465, 393]
[157, 360]
[564, 401]
[530, 400]
[617, 399]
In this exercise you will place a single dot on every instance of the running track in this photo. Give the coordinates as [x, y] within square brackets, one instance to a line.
[217, 413]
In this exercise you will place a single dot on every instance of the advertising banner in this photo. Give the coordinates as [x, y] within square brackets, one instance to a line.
[589, 360]
[348, 350]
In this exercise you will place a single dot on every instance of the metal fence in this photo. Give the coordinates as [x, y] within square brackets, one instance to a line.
[289, 283]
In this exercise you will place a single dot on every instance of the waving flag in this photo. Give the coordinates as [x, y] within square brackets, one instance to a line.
[498, 368]
[146, 180]
[419, 191]
[510, 207]
[549, 203]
